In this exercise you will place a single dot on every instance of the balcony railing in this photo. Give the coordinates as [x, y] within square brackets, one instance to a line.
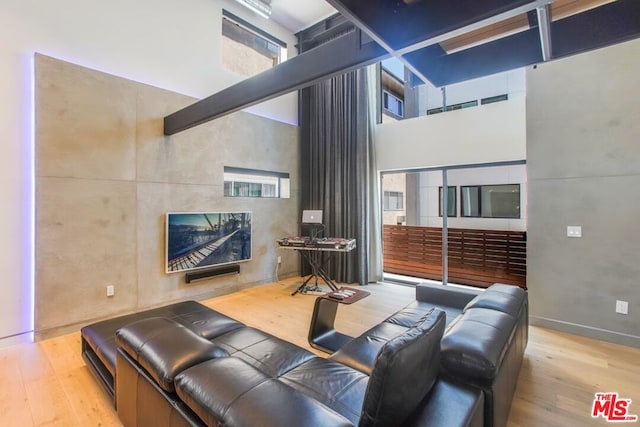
[476, 257]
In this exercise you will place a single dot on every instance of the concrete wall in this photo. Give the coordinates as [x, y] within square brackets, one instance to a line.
[583, 152]
[168, 44]
[106, 176]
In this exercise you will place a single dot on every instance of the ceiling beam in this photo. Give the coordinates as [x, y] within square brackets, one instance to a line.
[510, 52]
[343, 54]
[443, 21]
[544, 25]
[609, 24]
[402, 24]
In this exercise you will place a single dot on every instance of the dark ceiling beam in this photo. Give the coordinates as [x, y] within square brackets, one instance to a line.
[345, 53]
[507, 53]
[407, 27]
[404, 28]
[323, 31]
[609, 24]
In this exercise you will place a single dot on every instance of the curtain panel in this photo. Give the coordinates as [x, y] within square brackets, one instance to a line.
[338, 169]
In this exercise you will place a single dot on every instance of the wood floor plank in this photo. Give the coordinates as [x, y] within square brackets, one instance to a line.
[48, 402]
[90, 404]
[48, 384]
[14, 403]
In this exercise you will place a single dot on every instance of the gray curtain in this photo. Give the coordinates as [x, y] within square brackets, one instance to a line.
[338, 170]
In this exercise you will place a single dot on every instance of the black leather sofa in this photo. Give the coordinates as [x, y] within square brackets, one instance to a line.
[188, 365]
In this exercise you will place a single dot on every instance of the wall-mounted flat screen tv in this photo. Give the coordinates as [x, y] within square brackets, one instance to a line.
[197, 240]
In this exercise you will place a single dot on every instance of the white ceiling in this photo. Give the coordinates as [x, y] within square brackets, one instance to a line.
[297, 15]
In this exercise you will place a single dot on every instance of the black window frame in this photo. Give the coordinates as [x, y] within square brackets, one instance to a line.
[386, 95]
[480, 213]
[450, 204]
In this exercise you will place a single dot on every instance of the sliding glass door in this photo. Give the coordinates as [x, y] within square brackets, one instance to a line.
[480, 241]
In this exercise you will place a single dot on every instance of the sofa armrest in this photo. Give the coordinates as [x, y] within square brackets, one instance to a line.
[506, 298]
[447, 296]
[165, 348]
[474, 347]
[231, 392]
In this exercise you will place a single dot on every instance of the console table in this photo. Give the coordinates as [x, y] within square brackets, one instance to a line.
[322, 333]
[314, 251]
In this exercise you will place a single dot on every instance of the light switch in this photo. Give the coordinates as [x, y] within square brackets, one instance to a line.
[574, 231]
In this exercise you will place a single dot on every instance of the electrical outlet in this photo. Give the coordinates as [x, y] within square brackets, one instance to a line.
[279, 259]
[111, 290]
[574, 231]
[622, 307]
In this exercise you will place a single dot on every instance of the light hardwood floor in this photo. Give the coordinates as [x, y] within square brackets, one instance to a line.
[48, 384]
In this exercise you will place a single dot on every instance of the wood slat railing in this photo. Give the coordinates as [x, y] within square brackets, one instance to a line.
[476, 257]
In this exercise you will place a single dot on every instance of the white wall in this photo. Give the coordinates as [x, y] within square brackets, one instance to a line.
[431, 181]
[485, 134]
[165, 43]
[511, 82]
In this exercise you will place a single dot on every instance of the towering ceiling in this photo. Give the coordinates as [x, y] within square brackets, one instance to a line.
[448, 41]
[440, 41]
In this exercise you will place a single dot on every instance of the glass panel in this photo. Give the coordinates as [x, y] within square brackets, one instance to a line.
[451, 210]
[481, 250]
[239, 182]
[470, 201]
[501, 201]
[393, 200]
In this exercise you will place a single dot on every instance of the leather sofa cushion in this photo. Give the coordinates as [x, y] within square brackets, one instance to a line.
[229, 391]
[448, 404]
[360, 353]
[506, 298]
[411, 315]
[269, 354]
[100, 336]
[404, 371]
[337, 386]
[474, 347]
[165, 348]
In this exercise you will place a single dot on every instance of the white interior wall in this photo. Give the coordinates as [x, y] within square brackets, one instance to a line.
[431, 181]
[168, 44]
[486, 134]
[511, 82]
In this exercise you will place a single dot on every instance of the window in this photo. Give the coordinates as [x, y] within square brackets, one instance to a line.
[453, 107]
[239, 182]
[468, 104]
[393, 201]
[491, 201]
[451, 202]
[393, 104]
[493, 99]
[247, 50]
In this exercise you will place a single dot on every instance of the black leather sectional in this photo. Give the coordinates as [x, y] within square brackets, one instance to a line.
[450, 358]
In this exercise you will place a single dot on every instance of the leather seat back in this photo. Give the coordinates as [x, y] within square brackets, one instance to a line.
[405, 369]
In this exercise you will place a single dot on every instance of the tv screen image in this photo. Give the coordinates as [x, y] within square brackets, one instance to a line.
[197, 240]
